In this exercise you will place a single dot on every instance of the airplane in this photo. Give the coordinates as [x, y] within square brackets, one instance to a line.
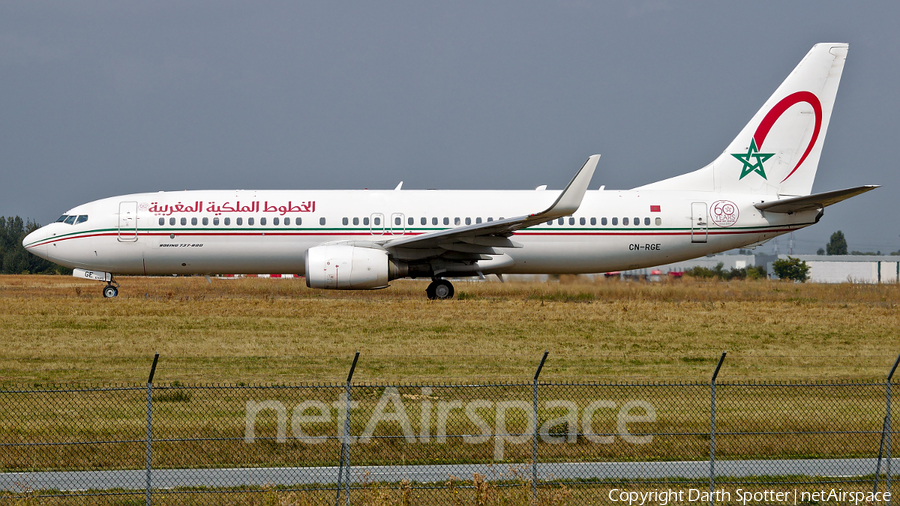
[758, 188]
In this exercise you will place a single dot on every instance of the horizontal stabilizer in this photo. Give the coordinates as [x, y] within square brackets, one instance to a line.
[810, 202]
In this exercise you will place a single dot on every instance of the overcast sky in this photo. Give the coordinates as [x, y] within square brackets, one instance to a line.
[107, 98]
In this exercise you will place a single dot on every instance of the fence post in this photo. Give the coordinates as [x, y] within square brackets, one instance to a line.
[147, 494]
[880, 452]
[345, 449]
[712, 432]
[887, 422]
[534, 420]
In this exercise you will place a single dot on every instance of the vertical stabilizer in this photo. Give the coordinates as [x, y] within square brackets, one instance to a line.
[778, 151]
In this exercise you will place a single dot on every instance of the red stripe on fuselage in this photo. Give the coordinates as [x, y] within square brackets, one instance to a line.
[411, 234]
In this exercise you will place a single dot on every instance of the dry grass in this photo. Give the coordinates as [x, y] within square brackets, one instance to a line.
[60, 329]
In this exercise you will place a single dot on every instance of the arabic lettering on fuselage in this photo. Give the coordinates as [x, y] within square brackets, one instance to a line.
[247, 207]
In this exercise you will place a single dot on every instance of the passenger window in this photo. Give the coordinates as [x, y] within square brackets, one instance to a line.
[249, 221]
[172, 221]
[194, 221]
[625, 221]
[227, 221]
[216, 221]
[434, 221]
[561, 221]
[603, 221]
[456, 221]
[162, 221]
[345, 221]
[376, 221]
[581, 221]
[550, 222]
[478, 220]
[356, 220]
[615, 221]
[468, 221]
[322, 220]
[646, 221]
[365, 221]
[658, 221]
[571, 221]
[593, 221]
[183, 221]
[239, 221]
[398, 221]
[490, 219]
[446, 220]
[637, 221]
[275, 221]
[262, 221]
[411, 221]
[81, 219]
[287, 222]
[424, 221]
[63, 218]
[205, 221]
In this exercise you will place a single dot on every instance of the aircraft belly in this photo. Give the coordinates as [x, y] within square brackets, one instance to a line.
[225, 255]
[560, 254]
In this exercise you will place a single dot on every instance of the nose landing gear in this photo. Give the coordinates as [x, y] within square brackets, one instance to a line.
[111, 289]
[439, 289]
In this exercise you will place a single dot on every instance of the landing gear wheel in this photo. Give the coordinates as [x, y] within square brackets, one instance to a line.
[439, 289]
[110, 291]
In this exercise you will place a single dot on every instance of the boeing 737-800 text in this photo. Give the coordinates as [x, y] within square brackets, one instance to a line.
[758, 188]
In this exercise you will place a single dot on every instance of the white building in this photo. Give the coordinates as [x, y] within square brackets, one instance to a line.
[848, 268]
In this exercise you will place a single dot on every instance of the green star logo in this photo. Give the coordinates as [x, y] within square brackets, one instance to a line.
[753, 166]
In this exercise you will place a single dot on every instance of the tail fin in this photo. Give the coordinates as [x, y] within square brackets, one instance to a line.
[778, 151]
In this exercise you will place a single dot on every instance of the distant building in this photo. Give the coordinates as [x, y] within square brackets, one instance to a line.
[728, 261]
[848, 268]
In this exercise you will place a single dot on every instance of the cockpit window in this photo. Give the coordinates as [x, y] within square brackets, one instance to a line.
[62, 218]
[70, 220]
[81, 219]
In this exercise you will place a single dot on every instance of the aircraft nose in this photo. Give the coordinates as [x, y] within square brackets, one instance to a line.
[35, 243]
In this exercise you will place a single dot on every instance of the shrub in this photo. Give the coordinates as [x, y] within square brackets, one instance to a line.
[791, 268]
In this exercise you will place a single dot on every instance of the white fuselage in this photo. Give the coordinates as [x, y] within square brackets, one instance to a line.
[217, 232]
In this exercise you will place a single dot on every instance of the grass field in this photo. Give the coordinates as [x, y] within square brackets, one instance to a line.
[59, 329]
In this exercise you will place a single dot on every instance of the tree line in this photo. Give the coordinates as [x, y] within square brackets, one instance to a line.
[13, 257]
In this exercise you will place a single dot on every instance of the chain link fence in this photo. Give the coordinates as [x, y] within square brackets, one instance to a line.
[529, 442]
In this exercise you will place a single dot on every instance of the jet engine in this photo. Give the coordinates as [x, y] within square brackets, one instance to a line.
[345, 267]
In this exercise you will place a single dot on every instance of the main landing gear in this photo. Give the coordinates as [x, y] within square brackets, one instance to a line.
[439, 289]
[111, 289]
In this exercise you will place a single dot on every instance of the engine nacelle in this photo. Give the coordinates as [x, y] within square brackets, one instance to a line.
[344, 267]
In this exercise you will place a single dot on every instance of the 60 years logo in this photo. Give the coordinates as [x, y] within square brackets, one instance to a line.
[724, 213]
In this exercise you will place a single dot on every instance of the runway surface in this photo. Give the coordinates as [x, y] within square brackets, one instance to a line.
[134, 479]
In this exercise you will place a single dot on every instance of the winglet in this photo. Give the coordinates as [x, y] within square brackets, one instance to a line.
[570, 199]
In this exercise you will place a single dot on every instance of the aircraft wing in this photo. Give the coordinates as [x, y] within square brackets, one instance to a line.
[810, 202]
[474, 242]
